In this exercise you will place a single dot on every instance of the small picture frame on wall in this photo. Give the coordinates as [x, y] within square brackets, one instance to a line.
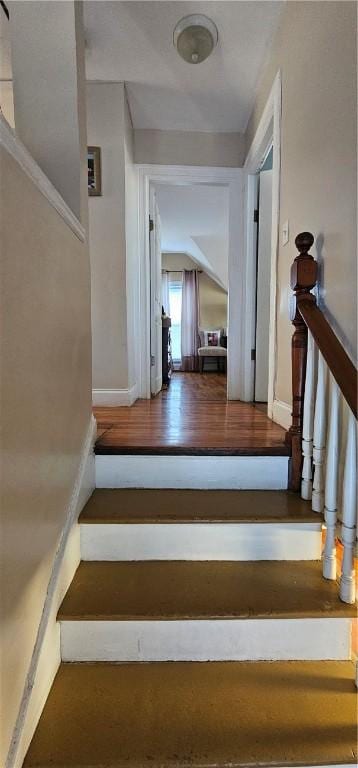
[94, 171]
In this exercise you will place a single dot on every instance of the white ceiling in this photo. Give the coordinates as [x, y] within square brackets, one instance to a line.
[132, 42]
[195, 220]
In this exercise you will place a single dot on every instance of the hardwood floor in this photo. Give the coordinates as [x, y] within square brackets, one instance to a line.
[191, 417]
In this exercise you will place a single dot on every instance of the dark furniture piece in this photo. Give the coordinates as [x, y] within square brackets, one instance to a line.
[166, 351]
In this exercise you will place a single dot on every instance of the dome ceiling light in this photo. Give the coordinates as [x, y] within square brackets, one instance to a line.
[195, 37]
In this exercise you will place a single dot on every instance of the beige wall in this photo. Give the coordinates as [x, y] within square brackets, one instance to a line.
[105, 128]
[7, 102]
[212, 298]
[315, 48]
[6, 86]
[189, 148]
[132, 247]
[47, 45]
[213, 304]
[113, 228]
[173, 261]
[46, 409]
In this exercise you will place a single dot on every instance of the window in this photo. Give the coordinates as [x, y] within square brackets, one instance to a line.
[175, 297]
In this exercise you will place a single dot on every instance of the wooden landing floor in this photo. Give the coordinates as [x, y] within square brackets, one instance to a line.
[191, 417]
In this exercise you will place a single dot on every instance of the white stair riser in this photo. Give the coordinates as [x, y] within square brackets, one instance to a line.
[200, 541]
[206, 640]
[210, 472]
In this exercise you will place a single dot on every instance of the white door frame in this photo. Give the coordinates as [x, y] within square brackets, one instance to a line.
[155, 256]
[187, 175]
[268, 133]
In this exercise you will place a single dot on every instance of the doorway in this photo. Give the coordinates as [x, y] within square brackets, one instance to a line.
[152, 181]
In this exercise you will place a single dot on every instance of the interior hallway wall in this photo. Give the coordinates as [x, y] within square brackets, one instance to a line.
[224, 150]
[132, 250]
[315, 48]
[45, 407]
[7, 103]
[47, 47]
[213, 304]
[113, 232]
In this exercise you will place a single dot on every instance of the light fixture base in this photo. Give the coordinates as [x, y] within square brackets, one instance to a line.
[195, 37]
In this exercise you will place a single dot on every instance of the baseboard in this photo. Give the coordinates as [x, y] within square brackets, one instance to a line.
[114, 397]
[282, 413]
[46, 655]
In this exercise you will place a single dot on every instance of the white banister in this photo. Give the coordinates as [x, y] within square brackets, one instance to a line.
[349, 514]
[308, 419]
[319, 437]
[331, 483]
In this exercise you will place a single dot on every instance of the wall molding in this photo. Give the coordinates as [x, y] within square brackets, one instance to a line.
[115, 397]
[46, 656]
[22, 156]
[282, 413]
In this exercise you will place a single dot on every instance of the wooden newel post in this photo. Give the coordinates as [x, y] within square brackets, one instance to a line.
[303, 279]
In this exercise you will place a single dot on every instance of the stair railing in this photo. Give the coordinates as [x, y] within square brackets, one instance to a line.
[323, 377]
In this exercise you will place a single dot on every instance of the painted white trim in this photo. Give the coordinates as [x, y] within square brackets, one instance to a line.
[207, 640]
[282, 413]
[46, 657]
[222, 472]
[114, 397]
[175, 174]
[268, 132]
[21, 155]
[201, 541]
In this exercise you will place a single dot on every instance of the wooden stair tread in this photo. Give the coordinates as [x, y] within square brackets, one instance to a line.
[198, 590]
[198, 714]
[175, 506]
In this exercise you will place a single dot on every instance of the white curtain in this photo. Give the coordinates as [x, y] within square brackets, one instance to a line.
[165, 292]
[190, 321]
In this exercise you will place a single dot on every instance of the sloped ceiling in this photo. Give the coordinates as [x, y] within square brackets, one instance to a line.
[195, 221]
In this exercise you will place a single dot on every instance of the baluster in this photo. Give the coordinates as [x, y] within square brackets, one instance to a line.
[349, 522]
[331, 486]
[308, 416]
[303, 278]
[319, 437]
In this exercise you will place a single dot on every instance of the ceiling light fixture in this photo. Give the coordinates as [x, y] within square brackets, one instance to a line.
[195, 37]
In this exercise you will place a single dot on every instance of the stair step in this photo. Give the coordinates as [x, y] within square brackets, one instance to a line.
[180, 714]
[132, 505]
[132, 524]
[249, 472]
[177, 610]
[186, 590]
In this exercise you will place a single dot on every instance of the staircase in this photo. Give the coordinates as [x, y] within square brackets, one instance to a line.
[198, 631]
